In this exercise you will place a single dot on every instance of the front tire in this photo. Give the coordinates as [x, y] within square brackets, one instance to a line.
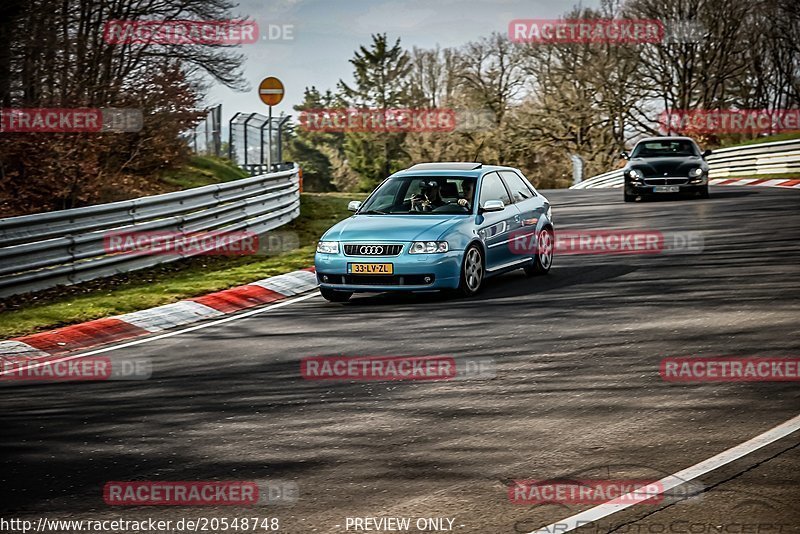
[545, 245]
[629, 198]
[704, 193]
[331, 295]
[473, 270]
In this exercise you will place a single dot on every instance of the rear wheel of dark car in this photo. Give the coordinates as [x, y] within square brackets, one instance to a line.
[335, 296]
[472, 272]
[545, 245]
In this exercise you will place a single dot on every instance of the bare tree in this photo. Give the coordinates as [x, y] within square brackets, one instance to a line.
[54, 54]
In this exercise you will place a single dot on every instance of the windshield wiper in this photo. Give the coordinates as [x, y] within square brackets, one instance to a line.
[372, 212]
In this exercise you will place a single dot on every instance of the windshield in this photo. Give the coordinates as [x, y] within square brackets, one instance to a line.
[666, 148]
[421, 195]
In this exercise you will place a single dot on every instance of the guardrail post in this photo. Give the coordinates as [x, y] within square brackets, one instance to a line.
[72, 259]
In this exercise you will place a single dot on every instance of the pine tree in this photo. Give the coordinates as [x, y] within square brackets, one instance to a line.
[381, 83]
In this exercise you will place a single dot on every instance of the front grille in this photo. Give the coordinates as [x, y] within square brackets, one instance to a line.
[376, 280]
[665, 181]
[372, 249]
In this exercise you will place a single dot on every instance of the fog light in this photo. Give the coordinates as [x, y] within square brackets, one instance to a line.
[427, 279]
[325, 278]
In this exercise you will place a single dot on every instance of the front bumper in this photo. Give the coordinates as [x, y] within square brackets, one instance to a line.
[650, 185]
[412, 272]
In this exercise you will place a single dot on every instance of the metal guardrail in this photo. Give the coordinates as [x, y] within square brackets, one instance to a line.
[760, 159]
[609, 179]
[765, 158]
[66, 247]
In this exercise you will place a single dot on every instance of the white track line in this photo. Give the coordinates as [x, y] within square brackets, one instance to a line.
[672, 481]
[171, 334]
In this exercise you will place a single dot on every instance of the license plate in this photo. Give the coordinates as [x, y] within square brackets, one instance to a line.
[666, 189]
[370, 268]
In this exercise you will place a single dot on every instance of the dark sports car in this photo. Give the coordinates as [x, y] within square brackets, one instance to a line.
[659, 165]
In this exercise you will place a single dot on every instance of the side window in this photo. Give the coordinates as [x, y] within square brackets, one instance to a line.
[520, 190]
[529, 185]
[492, 188]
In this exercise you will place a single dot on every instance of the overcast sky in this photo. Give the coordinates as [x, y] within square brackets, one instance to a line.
[327, 32]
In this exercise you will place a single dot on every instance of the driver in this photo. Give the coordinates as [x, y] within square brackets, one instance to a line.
[468, 187]
[429, 198]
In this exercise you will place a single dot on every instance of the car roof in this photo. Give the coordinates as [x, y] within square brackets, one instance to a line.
[451, 168]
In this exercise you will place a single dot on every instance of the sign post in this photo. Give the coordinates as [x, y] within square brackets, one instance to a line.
[270, 91]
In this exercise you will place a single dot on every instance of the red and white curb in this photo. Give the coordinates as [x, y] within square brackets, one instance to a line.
[121, 327]
[768, 182]
[616, 182]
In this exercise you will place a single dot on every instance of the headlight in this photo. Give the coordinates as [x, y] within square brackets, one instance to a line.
[428, 247]
[549, 213]
[636, 174]
[328, 247]
[696, 173]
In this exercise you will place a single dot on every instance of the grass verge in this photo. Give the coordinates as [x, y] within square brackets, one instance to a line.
[779, 176]
[768, 139]
[202, 170]
[168, 283]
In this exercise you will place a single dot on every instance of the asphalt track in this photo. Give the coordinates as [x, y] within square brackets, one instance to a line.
[577, 392]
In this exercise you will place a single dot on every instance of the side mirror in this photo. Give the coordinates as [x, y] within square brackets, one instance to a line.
[354, 205]
[493, 205]
[706, 153]
[624, 155]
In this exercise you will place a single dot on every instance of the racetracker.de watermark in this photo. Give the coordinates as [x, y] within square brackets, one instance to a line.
[212, 243]
[71, 120]
[393, 120]
[379, 368]
[181, 32]
[613, 242]
[730, 369]
[564, 31]
[158, 243]
[678, 31]
[200, 493]
[719, 121]
[90, 368]
[585, 491]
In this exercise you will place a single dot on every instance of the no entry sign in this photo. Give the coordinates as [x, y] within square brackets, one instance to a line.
[270, 91]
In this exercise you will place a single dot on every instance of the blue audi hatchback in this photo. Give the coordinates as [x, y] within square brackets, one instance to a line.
[437, 227]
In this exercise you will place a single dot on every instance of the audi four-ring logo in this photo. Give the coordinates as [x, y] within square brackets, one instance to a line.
[370, 250]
